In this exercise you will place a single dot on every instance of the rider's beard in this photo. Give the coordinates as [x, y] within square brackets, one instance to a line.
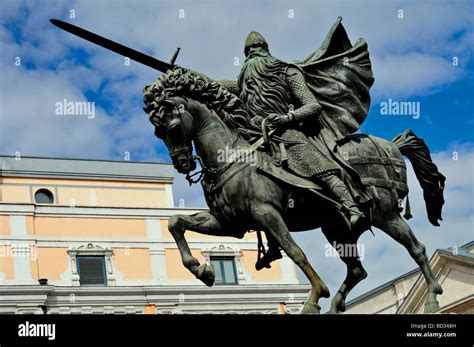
[263, 86]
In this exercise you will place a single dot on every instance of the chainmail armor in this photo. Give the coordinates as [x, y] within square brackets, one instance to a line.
[304, 158]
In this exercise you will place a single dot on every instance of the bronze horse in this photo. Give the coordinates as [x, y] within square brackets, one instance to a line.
[187, 108]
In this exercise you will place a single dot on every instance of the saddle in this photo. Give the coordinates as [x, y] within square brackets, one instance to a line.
[269, 166]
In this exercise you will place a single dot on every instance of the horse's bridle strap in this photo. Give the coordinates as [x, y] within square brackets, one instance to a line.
[181, 150]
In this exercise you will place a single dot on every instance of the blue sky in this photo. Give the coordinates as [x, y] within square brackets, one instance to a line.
[429, 78]
[412, 61]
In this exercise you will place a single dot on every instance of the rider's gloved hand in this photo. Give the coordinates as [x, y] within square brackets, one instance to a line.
[257, 121]
[276, 120]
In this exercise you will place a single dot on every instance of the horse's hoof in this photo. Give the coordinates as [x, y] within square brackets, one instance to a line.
[431, 304]
[311, 309]
[338, 304]
[432, 307]
[206, 274]
[324, 291]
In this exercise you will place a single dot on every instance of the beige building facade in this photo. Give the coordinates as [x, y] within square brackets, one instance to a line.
[454, 270]
[90, 236]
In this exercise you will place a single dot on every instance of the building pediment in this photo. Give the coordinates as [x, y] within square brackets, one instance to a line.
[454, 271]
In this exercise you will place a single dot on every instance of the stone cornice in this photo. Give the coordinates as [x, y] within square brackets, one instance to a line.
[142, 295]
[28, 209]
[85, 169]
[440, 260]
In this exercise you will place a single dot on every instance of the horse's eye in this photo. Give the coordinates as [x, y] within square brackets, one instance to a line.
[159, 132]
[174, 132]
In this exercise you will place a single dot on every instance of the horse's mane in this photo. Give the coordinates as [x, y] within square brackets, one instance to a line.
[187, 84]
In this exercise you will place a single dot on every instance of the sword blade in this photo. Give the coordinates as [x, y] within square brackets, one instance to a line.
[113, 46]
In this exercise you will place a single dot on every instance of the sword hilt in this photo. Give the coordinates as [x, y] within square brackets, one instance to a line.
[175, 55]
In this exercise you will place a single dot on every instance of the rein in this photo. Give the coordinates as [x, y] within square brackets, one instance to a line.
[214, 172]
[201, 173]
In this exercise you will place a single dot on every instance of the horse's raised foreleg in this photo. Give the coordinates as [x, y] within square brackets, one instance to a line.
[355, 270]
[271, 221]
[401, 232]
[202, 222]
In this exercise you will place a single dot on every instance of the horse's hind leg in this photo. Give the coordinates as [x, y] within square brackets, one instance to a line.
[271, 221]
[401, 232]
[350, 256]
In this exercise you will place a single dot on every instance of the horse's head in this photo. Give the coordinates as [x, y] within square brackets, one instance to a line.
[168, 102]
[174, 125]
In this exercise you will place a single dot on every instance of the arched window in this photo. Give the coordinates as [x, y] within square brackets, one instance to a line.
[44, 196]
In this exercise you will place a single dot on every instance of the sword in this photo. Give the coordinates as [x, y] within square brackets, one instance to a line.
[117, 47]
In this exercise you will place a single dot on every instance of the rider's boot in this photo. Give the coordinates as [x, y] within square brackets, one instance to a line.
[273, 253]
[340, 190]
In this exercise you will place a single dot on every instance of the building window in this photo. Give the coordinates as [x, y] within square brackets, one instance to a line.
[91, 270]
[227, 253]
[105, 265]
[225, 270]
[44, 196]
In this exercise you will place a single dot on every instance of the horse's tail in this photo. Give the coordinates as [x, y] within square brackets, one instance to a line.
[431, 180]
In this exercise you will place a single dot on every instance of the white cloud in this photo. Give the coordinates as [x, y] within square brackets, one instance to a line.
[411, 56]
[411, 74]
[29, 123]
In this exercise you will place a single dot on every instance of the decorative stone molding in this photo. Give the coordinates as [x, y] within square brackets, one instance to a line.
[109, 310]
[130, 310]
[441, 263]
[225, 251]
[293, 308]
[29, 310]
[64, 310]
[86, 310]
[96, 309]
[168, 310]
[118, 299]
[93, 250]
[232, 312]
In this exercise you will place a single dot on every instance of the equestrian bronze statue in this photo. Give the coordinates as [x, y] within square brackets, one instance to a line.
[296, 160]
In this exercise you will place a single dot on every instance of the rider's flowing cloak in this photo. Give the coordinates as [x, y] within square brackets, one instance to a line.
[340, 76]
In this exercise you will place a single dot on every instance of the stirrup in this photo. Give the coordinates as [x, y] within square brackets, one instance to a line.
[355, 217]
